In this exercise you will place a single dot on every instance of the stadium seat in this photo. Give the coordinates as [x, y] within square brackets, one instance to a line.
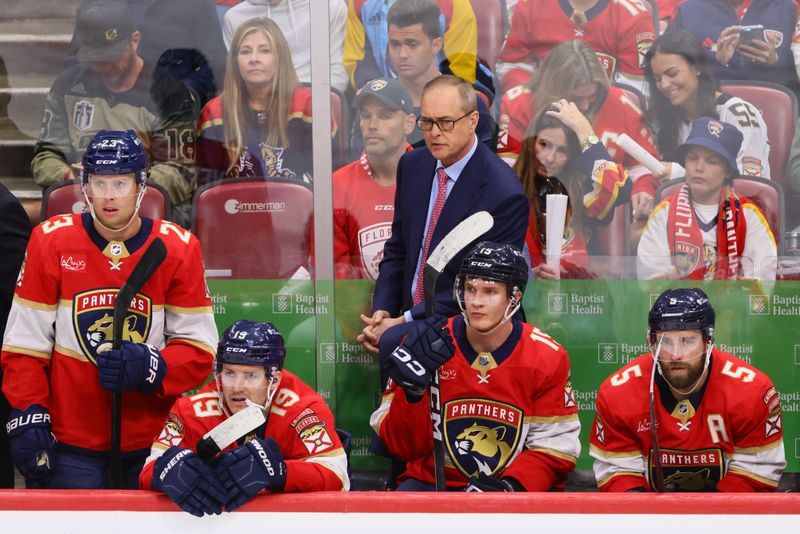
[254, 228]
[66, 197]
[766, 194]
[779, 109]
[492, 17]
[614, 239]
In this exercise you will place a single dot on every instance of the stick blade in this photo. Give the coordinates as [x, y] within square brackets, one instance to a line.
[459, 237]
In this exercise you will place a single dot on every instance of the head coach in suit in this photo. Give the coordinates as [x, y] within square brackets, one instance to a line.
[438, 186]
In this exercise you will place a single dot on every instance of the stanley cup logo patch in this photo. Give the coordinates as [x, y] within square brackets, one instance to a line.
[82, 115]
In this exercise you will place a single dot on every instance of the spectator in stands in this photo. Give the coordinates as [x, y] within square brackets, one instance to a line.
[706, 231]
[15, 229]
[363, 191]
[573, 71]
[261, 123]
[619, 32]
[293, 18]
[563, 155]
[763, 54]
[367, 43]
[181, 36]
[682, 89]
[414, 44]
[114, 88]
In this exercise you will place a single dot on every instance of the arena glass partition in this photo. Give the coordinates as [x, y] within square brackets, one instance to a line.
[600, 321]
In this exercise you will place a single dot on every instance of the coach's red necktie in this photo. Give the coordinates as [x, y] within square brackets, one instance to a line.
[441, 196]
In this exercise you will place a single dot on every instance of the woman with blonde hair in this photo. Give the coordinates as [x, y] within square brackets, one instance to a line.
[261, 123]
[572, 71]
[553, 161]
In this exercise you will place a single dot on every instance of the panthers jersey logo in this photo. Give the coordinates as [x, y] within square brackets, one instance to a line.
[698, 470]
[481, 434]
[93, 319]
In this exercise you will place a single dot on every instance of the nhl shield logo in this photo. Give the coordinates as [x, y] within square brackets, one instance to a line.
[93, 319]
[481, 434]
[82, 115]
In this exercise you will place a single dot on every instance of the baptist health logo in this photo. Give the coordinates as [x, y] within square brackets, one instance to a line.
[608, 353]
[759, 305]
[327, 353]
[281, 303]
[557, 303]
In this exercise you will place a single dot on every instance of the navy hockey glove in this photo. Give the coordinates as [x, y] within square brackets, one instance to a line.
[132, 366]
[246, 470]
[425, 348]
[486, 483]
[33, 446]
[188, 481]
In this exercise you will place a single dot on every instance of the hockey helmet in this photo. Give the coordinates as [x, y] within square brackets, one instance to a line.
[493, 261]
[251, 343]
[115, 152]
[681, 309]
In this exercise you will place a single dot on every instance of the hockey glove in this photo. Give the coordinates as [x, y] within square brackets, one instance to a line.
[132, 366]
[188, 481]
[425, 348]
[33, 446]
[486, 483]
[243, 472]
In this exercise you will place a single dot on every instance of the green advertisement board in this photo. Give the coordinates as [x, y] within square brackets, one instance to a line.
[601, 323]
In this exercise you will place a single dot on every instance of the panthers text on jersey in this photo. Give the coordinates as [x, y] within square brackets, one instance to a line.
[63, 311]
[510, 413]
[726, 436]
[298, 420]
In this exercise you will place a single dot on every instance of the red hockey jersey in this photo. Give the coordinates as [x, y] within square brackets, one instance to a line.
[299, 421]
[63, 309]
[362, 220]
[619, 31]
[726, 436]
[516, 418]
[618, 115]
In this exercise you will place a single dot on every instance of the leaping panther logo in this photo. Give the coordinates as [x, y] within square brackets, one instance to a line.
[483, 441]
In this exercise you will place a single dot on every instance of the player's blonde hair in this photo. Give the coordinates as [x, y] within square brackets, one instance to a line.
[570, 65]
[235, 97]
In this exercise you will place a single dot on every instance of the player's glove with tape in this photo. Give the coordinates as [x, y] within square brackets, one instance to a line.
[33, 446]
[243, 472]
[425, 348]
[189, 482]
[486, 483]
[132, 366]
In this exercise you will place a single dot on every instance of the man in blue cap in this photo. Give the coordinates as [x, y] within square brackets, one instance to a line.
[706, 231]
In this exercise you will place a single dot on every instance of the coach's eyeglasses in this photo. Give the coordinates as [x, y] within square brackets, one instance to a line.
[445, 125]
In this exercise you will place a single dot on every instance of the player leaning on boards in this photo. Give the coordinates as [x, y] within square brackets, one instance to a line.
[56, 380]
[295, 449]
[509, 417]
[717, 418]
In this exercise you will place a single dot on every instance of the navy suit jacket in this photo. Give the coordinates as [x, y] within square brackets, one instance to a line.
[486, 183]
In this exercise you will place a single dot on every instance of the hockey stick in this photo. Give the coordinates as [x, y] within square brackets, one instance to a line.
[658, 481]
[228, 431]
[454, 242]
[151, 259]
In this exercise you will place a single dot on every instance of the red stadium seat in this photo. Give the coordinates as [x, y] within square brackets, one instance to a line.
[614, 239]
[492, 17]
[779, 108]
[253, 227]
[66, 197]
[766, 194]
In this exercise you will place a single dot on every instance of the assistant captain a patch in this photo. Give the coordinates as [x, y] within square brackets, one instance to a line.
[481, 434]
[93, 319]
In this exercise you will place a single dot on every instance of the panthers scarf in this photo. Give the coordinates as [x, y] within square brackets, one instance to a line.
[686, 239]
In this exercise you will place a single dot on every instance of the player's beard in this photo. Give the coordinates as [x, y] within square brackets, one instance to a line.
[687, 379]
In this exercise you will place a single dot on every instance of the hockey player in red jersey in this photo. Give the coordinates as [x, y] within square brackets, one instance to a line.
[296, 449]
[705, 421]
[57, 378]
[509, 421]
[363, 191]
[619, 31]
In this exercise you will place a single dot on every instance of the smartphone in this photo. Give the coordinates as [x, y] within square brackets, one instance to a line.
[748, 34]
